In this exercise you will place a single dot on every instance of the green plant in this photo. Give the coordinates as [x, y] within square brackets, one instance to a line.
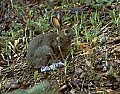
[21, 30]
[35, 75]
[95, 19]
[115, 17]
[88, 35]
[40, 88]
[112, 72]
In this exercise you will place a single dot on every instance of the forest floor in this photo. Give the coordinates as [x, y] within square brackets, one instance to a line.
[93, 63]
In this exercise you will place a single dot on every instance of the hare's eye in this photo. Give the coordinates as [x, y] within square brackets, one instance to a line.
[66, 31]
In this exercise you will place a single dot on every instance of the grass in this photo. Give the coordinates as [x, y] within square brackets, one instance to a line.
[21, 32]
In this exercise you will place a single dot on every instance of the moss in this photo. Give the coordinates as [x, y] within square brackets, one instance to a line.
[41, 88]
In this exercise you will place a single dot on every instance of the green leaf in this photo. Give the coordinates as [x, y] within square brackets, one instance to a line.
[35, 75]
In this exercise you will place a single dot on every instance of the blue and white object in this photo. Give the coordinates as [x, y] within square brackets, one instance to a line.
[52, 67]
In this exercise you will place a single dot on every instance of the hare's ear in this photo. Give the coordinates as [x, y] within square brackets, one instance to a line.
[55, 22]
[56, 19]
